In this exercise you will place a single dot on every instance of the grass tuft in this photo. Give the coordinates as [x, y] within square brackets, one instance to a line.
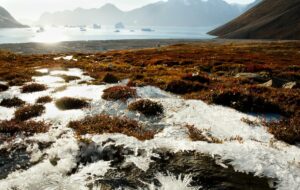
[147, 107]
[68, 103]
[13, 102]
[28, 112]
[34, 87]
[100, 124]
[119, 93]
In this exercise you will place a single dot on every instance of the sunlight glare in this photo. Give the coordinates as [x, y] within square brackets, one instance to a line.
[50, 35]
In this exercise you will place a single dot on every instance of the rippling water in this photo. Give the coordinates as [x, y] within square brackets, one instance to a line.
[57, 34]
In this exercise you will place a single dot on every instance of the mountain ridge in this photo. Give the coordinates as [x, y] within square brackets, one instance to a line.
[170, 13]
[7, 20]
[268, 20]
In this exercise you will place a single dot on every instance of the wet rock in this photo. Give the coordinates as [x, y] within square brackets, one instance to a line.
[254, 76]
[275, 83]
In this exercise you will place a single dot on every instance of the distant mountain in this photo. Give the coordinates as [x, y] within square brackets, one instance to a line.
[170, 13]
[270, 19]
[7, 21]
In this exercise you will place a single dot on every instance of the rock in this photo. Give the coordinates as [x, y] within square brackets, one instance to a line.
[254, 76]
[291, 85]
[275, 83]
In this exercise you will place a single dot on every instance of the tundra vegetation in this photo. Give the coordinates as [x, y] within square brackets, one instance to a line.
[260, 77]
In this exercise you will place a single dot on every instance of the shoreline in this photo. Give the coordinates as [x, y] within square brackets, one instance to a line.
[108, 45]
[92, 46]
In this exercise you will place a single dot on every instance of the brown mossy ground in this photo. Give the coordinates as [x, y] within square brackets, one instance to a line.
[100, 124]
[69, 103]
[28, 112]
[147, 107]
[119, 93]
[219, 62]
[13, 102]
[34, 87]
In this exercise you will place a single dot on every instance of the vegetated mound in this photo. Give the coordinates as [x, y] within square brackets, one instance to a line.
[147, 107]
[268, 20]
[34, 87]
[7, 21]
[68, 103]
[28, 112]
[100, 124]
[44, 100]
[119, 93]
[13, 102]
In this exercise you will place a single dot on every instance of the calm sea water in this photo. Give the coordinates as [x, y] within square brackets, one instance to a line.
[57, 34]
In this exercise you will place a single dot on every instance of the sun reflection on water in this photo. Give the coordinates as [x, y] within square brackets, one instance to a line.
[50, 35]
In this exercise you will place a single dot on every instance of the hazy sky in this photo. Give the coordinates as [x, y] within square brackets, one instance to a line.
[24, 10]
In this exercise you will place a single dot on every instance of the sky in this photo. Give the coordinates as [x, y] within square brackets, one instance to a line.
[30, 10]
